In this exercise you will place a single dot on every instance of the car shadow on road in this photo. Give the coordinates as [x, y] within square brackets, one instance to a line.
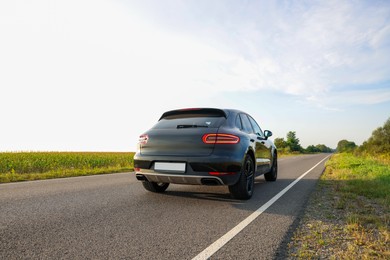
[221, 193]
[202, 195]
[263, 192]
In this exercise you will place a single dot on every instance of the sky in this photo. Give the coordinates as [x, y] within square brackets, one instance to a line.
[93, 75]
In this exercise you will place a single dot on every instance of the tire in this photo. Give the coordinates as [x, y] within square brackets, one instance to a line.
[157, 187]
[272, 175]
[243, 189]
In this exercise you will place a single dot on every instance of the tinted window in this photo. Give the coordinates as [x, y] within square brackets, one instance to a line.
[238, 122]
[188, 121]
[246, 124]
[194, 112]
[255, 126]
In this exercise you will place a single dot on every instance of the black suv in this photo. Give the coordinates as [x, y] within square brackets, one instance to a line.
[205, 146]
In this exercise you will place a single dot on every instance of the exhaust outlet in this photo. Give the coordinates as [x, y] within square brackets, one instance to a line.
[210, 182]
[140, 177]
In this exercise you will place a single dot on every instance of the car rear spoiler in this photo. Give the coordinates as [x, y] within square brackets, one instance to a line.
[212, 112]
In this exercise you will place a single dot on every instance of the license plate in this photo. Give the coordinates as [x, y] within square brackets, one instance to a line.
[172, 167]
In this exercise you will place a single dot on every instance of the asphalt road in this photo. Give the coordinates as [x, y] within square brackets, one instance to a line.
[113, 217]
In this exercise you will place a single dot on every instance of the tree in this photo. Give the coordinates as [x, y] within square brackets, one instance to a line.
[280, 143]
[379, 142]
[319, 148]
[345, 146]
[312, 149]
[293, 142]
[323, 148]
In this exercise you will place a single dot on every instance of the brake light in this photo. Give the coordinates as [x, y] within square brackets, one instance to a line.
[221, 173]
[143, 139]
[220, 139]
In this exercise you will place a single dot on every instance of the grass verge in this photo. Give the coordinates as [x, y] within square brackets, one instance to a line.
[24, 166]
[348, 215]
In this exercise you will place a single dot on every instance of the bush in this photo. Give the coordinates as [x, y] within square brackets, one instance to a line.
[379, 142]
[345, 146]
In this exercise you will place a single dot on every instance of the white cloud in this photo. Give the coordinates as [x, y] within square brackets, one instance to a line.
[80, 68]
[305, 49]
[84, 68]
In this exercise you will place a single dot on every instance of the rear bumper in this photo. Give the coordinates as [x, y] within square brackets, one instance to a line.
[226, 170]
[180, 179]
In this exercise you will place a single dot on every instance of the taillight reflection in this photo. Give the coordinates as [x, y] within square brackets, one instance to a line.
[143, 139]
[221, 173]
[220, 139]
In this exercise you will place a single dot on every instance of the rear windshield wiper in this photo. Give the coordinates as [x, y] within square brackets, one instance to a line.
[190, 126]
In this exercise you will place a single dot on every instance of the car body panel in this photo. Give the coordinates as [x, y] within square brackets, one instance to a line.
[181, 142]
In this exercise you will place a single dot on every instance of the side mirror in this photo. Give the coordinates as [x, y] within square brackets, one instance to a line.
[267, 134]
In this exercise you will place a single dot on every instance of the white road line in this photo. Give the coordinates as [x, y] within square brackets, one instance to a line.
[214, 247]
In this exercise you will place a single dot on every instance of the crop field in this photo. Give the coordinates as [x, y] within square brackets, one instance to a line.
[21, 166]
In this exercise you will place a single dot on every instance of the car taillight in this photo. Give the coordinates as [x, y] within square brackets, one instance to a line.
[143, 139]
[220, 139]
[221, 173]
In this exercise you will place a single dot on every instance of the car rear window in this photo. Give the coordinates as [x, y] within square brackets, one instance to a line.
[194, 112]
[190, 120]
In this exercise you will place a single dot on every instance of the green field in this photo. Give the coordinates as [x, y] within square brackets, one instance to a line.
[348, 217]
[22, 166]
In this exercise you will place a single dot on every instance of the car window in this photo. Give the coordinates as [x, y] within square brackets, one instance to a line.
[255, 126]
[238, 122]
[188, 121]
[246, 124]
